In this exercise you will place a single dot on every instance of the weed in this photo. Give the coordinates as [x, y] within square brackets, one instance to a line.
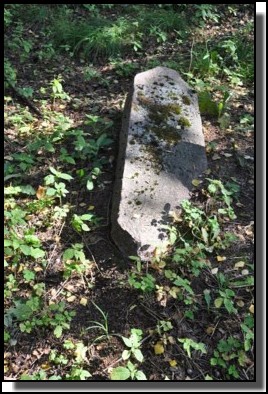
[228, 350]
[103, 327]
[75, 261]
[145, 283]
[33, 316]
[189, 344]
[130, 370]
[57, 90]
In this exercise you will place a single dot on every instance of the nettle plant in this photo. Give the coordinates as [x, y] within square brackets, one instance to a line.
[133, 343]
[33, 314]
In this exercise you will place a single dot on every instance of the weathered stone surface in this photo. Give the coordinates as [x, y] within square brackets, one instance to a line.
[161, 151]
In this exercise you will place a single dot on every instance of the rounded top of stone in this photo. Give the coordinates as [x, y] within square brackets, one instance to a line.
[161, 74]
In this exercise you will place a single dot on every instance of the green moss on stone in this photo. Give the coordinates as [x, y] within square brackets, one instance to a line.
[167, 133]
[185, 99]
[184, 122]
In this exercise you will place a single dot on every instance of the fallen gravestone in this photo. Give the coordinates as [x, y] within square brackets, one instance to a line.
[161, 151]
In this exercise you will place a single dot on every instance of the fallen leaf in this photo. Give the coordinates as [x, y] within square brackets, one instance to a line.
[245, 272]
[221, 258]
[226, 154]
[172, 363]
[208, 171]
[251, 308]
[159, 348]
[214, 271]
[239, 264]
[41, 191]
[38, 269]
[171, 340]
[210, 330]
[45, 366]
[71, 298]
[240, 303]
[216, 156]
[196, 182]
[83, 301]
[91, 207]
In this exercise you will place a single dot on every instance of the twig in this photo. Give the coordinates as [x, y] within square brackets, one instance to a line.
[191, 56]
[24, 99]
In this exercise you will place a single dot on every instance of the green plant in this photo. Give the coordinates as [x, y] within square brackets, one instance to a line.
[101, 326]
[163, 326]
[144, 283]
[134, 344]
[75, 260]
[206, 12]
[90, 72]
[247, 328]
[226, 298]
[66, 157]
[41, 375]
[185, 292]
[129, 371]
[32, 315]
[91, 178]
[228, 350]
[189, 344]
[51, 179]
[123, 68]
[57, 90]
[78, 221]
[59, 190]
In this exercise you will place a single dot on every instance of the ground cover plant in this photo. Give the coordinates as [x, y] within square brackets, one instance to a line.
[74, 308]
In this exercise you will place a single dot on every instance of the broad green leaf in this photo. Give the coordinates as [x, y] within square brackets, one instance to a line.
[229, 306]
[58, 331]
[127, 342]
[212, 188]
[126, 354]
[37, 253]
[6, 336]
[50, 191]
[80, 352]
[28, 275]
[28, 189]
[68, 254]
[25, 250]
[218, 302]
[207, 297]
[49, 179]
[90, 185]
[68, 344]
[85, 227]
[140, 375]
[138, 355]
[120, 373]
[67, 177]
[87, 216]
[208, 377]
[172, 238]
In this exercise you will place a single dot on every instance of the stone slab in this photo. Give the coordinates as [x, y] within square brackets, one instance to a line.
[161, 150]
